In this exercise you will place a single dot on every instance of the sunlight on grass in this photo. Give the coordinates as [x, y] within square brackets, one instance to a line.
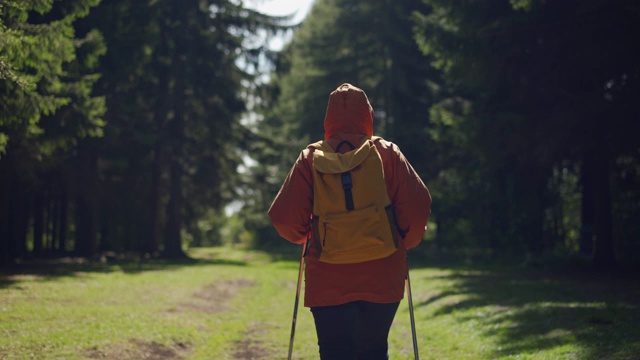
[237, 304]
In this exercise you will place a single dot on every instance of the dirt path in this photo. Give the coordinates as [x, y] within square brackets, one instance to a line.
[136, 349]
[250, 348]
[210, 299]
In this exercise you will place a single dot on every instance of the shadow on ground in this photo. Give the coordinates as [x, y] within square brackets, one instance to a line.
[50, 268]
[531, 310]
[53, 268]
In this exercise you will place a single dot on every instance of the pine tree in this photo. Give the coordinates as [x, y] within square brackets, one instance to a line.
[47, 73]
[177, 99]
[534, 85]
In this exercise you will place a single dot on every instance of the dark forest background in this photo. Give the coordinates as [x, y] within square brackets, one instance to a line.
[147, 127]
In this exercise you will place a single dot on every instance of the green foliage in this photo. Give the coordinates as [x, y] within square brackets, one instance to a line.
[35, 55]
[521, 106]
[367, 44]
[176, 95]
[124, 126]
[120, 121]
[47, 107]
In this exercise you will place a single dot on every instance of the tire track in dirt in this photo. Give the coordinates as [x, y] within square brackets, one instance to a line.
[136, 349]
[211, 299]
[251, 348]
[214, 298]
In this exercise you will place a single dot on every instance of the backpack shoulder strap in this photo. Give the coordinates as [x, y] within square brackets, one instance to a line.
[315, 145]
[321, 145]
[345, 142]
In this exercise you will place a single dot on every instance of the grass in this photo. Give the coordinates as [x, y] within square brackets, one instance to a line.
[234, 304]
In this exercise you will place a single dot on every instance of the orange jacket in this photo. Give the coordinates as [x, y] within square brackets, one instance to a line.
[350, 117]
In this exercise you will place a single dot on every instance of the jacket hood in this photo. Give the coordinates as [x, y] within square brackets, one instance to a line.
[348, 111]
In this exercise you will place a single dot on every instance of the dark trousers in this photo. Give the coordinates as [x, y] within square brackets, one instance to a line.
[356, 330]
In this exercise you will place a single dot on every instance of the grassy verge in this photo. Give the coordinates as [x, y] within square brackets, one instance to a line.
[233, 304]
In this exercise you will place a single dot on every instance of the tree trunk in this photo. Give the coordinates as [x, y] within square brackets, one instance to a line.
[64, 223]
[604, 248]
[86, 209]
[4, 216]
[159, 164]
[152, 244]
[587, 210]
[533, 217]
[55, 218]
[47, 208]
[18, 220]
[498, 215]
[173, 241]
[38, 221]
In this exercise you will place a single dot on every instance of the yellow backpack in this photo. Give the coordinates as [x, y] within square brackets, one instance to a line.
[353, 220]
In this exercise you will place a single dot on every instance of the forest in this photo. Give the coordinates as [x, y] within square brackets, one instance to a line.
[150, 127]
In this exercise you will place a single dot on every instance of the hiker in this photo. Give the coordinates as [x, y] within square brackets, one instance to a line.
[353, 302]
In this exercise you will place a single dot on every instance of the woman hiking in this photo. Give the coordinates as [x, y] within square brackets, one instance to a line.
[353, 297]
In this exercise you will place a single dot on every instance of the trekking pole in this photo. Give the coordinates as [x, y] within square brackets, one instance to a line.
[413, 321]
[295, 305]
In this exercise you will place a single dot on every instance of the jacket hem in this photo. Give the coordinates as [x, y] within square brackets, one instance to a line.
[354, 297]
